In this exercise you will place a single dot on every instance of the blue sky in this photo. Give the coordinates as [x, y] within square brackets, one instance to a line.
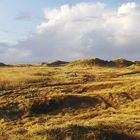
[33, 31]
[13, 29]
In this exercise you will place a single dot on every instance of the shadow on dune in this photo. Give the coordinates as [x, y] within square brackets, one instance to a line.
[75, 132]
[42, 106]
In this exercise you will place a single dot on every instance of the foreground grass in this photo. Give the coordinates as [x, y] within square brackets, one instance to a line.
[70, 103]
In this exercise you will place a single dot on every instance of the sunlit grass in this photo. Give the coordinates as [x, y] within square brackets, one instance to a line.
[69, 102]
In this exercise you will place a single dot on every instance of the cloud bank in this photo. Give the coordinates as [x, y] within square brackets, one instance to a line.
[80, 31]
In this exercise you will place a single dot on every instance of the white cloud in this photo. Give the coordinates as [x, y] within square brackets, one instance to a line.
[10, 54]
[127, 8]
[83, 30]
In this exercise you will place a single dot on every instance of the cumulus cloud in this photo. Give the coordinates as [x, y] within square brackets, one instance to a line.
[12, 54]
[83, 30]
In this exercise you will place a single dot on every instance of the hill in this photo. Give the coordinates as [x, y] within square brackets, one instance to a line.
[94, 101]
[57, 63]
[2, 64]
[99, 62]
[121, 62]
[90, 62]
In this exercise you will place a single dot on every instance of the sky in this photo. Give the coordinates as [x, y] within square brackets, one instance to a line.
[47, 30]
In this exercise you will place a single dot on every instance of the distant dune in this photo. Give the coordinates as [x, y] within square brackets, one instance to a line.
[120, 62]
[56, 63]
[2, 64]
[99, 62]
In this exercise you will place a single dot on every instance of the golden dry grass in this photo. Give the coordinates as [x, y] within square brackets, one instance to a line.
[72, 102]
